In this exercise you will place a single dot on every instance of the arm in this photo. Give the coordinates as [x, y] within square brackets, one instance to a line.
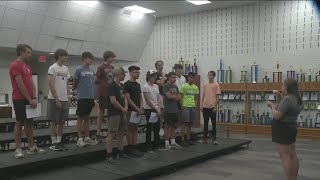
[115, 103]
[161, 81]
[141, 101]
[34, 90]
[277, 115]
[75, 83]
[53, 90]
[68, 91]
[170, 96]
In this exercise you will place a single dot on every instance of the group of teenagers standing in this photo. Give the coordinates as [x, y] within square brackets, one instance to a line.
[168, 98]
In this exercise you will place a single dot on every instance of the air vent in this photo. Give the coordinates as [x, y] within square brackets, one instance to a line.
[127, 12]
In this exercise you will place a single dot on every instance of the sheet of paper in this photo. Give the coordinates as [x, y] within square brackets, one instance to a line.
[153, 117]
[135, 118]
[33, 112]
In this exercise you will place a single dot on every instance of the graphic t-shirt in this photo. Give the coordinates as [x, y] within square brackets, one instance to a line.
[117, 91]
[104, 77]
[18, 68]
[134, 90]
[170, 106]
[61, 76]
[85, 76]
[189, 92]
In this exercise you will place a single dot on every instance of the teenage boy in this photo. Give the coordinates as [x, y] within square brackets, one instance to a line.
[151, 105]
[188, 95]
[84, 84]
[104, 77]
[132, 90]
[117, 112]
[180, 81]
[58, 98]
[210, 101]
[23, 93]
[171, 110]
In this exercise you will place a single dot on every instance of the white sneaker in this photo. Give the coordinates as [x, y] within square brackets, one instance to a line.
[18, 154]
[81, 143]
[35, 150]
[175, 146]
[167, 147]
[90, 141]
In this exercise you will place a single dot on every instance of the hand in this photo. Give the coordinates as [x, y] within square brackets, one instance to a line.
[139, 111]
[159, 112]
[124, 111]
[214, 109]
[163, 75]
[269, 104]
[58, 104]
[33, 103]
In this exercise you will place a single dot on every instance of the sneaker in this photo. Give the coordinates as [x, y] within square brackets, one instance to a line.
[204, 140]
[81, 143]
[90, 141]
[55, 147]
[175, 146]
[61, 146]
[35, 150]
[18, 154]
[167, 147]
[184, 144]
[122, 155]
[191, 143]
[110, 160]
[150, 150]
[215, 142]
[99, 138]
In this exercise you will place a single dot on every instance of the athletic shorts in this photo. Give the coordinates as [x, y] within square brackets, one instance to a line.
[19, 107]
[102, 102]
[188, 114]
[171, 118]
[57, 114]
[117, 123]
[84, 107]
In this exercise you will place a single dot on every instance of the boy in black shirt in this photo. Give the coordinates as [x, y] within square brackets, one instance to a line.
[117, 112]
[133, 95]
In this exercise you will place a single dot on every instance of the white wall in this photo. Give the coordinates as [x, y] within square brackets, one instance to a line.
[288, 31]
[48, 25]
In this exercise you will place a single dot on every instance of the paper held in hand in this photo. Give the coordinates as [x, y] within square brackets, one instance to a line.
[135, 118]
[153, 117]
[33, 112]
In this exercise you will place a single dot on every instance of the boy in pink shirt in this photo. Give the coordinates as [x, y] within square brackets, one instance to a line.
[210, 101]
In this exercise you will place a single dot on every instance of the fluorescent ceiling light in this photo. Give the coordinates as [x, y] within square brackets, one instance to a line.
[139, 9]
[87, 3]
[51, 52]
[136, 15]
[199, 2]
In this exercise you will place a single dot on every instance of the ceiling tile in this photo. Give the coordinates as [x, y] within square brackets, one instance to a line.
[74, 47]
[38, 7]
[2, 9]
[44, 43]
[50, 26]
[80, 31]
[29, 38]
[3, 3]
[87, 46]
[93, 34]
[33, 22]
[99, 17]
[86, 15]
[65, 29]
[71, 12]
[56, 8]
[59, 43]
[13, 19]
[8, 37]
[21, 5]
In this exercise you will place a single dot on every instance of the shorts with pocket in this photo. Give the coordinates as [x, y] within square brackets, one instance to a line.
[103, 102]
[188, 114]
[117, 123]
[57, 114]
[19, 107]
[84, 107]
[171, 118]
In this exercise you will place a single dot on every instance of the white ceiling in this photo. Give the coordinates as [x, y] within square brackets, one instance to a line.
[169, 7]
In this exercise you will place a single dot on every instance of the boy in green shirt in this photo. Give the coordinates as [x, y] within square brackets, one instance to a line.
[188, 92]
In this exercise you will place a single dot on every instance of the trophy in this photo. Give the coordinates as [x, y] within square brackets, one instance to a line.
[221, 73]
[254, 72]
[243, 75]
[181, 62]
[195, 67]
[317, 76]
[265, 79]
[229, 75]
[309, 76]
[277, 76]
[302, 75]
[291, 73]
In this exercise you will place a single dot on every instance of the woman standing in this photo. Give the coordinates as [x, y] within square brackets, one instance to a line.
[284, 126]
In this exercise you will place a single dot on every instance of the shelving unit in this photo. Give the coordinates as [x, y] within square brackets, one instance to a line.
[258, 116]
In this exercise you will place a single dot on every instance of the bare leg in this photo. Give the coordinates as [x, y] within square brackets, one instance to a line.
[60, 128]
[29, 133]
[183, 131]
[86, 126]
[79, 126]
[130, 135]
[290, 161]
[99, 120]
[18, 134]
[120, 136]
[172, 132]
[188, 131]
[109, 142]
[134, 135]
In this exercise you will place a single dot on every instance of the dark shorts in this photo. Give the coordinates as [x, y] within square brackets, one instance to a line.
[102, 102]
[19, 107]
[283, 133]
[84, 107]
[188, 114]
[57, 114]
[171, 118]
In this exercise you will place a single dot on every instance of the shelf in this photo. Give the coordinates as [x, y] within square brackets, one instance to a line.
[236, 87]
[237, 124]
[233, 127]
